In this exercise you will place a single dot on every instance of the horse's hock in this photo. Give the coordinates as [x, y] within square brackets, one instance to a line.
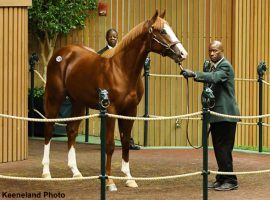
[13, 78]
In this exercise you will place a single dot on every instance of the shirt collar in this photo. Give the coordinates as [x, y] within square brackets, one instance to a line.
[216, 64]
[109, 46]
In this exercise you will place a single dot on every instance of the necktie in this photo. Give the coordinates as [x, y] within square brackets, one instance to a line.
[212, 67]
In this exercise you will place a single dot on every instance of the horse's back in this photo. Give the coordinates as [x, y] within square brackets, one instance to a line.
[69, 54]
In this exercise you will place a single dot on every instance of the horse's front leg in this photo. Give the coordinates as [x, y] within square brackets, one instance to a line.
[125, 127]
[110, 144]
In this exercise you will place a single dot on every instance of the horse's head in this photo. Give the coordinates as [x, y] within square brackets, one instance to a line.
[163, 40]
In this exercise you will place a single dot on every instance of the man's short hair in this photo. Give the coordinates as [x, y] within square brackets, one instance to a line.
[110, 30]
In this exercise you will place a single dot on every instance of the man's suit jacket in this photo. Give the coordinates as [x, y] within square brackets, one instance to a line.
[222, 80]
[101, 51]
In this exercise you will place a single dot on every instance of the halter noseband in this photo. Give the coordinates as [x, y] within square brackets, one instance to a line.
[165, 45]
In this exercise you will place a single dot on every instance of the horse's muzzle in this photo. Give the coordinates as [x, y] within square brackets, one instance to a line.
[178, 53]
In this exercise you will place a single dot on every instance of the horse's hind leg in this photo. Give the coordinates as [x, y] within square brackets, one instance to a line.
[72, 131]
[125, 127]
[52, 105]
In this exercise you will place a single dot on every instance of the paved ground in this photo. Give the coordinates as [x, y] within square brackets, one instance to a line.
[144, 163]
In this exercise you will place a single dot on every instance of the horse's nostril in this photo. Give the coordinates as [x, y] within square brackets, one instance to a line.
[183, 54]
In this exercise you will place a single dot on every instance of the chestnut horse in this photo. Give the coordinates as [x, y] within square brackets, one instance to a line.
[78, 73]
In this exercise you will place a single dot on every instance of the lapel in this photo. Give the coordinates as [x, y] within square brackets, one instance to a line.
[220, 63]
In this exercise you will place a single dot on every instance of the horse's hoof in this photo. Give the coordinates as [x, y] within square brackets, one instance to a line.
[111, 187]
[46, 175]
[79, 175]
[131, 183]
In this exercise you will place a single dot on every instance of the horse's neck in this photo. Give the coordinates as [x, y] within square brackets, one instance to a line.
[131, 58]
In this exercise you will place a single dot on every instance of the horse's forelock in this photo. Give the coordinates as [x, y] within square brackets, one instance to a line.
[159, 23]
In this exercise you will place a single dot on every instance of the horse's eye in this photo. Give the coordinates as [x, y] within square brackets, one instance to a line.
[163, 32]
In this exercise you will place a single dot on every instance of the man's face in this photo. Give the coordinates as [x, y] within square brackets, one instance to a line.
[112, 38]
[215, 53]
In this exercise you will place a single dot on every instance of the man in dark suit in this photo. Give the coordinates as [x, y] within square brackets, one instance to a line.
[111, 38]
[220, 78]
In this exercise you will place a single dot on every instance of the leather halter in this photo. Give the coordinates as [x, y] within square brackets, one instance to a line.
[164, 44]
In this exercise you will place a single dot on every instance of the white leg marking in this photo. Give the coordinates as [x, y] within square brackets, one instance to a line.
[72, 162]
[125, 169]
[46, 161]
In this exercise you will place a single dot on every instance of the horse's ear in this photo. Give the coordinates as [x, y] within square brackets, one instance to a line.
[154, 18]
[162, 15]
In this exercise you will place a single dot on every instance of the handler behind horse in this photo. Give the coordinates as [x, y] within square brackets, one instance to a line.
[111, 39]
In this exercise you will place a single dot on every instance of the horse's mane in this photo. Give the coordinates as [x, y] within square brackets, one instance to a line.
[131, 35]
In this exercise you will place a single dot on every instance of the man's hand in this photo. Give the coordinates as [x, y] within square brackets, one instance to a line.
[187, 73]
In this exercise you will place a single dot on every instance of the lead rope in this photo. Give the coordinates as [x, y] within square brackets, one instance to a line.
[187, 111]
[190, 144]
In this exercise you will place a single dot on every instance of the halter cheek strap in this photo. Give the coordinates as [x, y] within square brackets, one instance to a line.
[167, 47]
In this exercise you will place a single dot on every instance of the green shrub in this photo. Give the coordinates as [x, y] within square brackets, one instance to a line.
[38, 92]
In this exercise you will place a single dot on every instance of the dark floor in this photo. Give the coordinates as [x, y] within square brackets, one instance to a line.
[143, 163]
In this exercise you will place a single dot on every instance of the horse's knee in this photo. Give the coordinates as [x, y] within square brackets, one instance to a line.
[125, 142]
[71, 137]
[110, 147]
[48, 132]
[71, 131]
[70, 128]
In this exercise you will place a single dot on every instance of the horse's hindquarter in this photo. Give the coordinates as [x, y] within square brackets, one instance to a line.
[83, 76]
